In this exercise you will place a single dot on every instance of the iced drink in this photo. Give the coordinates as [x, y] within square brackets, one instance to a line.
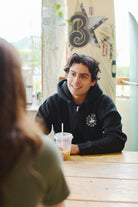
[63, 142]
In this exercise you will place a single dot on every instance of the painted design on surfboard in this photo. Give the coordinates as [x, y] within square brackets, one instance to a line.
[83, 29]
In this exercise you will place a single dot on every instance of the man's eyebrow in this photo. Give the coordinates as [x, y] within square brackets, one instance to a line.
[79, 73]
[85, 74]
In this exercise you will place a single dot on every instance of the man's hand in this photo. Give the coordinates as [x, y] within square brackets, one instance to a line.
[74, 149]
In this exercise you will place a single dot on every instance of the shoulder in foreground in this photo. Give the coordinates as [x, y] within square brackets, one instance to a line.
[49, 149]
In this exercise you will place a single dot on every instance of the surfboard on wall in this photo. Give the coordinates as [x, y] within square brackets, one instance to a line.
[92, 31]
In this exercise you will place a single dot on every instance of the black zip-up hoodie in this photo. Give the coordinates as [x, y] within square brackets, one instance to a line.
[95, 124]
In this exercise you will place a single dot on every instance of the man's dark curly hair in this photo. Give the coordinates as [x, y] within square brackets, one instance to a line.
[90, 62]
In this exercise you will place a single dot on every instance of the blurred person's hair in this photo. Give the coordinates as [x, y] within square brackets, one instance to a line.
[16, 129]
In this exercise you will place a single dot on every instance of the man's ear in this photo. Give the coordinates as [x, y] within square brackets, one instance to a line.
[93, 82]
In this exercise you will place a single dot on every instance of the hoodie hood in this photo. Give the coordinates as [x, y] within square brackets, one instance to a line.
[63, 91]
[93, 93]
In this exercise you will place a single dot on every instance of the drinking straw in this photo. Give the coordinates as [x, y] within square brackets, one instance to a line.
[62, 129]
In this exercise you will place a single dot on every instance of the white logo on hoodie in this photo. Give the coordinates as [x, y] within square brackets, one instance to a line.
[91, 120]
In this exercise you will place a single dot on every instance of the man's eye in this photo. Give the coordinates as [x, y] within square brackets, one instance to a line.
[83, 77]
[72, 74]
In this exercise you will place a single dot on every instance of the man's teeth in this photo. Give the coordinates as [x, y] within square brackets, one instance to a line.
[76, 87]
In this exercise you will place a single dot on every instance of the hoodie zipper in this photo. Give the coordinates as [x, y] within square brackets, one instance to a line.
[77, 109]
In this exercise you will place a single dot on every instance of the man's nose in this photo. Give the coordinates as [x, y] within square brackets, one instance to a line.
[77, 79]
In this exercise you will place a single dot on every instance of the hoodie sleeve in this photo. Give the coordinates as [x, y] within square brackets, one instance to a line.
[113, 139]
[43, 117]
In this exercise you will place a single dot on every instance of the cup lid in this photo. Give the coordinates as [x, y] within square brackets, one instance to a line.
[64, 135]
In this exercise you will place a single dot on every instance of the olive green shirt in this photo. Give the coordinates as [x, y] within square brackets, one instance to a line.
[44, 183]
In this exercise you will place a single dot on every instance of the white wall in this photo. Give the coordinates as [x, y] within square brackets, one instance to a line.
[122, 105]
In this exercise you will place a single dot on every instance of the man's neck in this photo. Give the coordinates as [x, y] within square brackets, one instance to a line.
[78, 99]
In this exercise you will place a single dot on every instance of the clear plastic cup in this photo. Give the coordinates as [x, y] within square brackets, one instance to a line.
[63, 142]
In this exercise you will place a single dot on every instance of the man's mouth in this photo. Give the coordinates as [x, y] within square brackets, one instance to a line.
[76, 87]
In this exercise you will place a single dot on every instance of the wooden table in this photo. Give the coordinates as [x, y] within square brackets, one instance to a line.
[109, 180]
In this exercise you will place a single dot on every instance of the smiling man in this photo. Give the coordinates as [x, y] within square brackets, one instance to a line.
[87, 113]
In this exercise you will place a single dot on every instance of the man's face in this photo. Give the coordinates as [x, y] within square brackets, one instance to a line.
[79, 81]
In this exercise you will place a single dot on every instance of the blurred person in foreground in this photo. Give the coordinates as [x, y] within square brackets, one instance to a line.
[87, 113]
[30, 165]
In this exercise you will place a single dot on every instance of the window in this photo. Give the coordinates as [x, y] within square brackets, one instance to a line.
[122, 9]
[20, 24]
